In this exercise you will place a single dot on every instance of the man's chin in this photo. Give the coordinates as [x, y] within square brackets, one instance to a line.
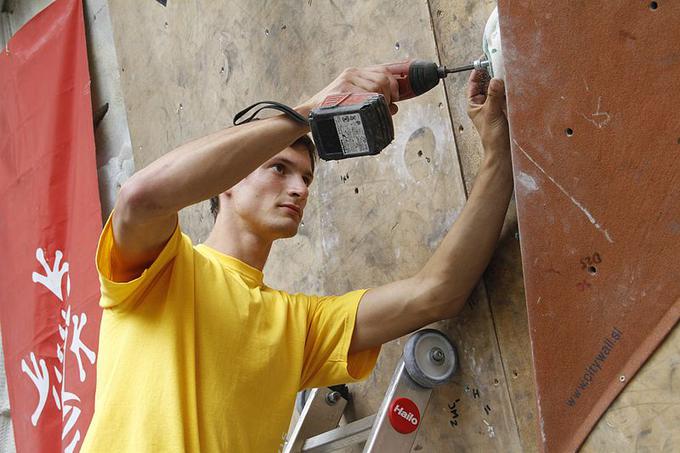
[287, 231]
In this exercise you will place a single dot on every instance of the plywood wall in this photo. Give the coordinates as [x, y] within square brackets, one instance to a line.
[188, 67]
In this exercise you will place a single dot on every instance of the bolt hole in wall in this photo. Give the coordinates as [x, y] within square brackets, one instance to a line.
[569, 131]
[653, 5]
[592, 270]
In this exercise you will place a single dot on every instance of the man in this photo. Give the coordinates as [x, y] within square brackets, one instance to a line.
[196, 352]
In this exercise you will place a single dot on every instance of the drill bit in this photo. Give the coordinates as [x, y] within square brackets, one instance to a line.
[477, 64]
[468, 67]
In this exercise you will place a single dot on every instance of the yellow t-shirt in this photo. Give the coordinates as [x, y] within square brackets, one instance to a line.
[199, 355]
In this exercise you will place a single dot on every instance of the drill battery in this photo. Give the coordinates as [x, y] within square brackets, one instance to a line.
[351, 125]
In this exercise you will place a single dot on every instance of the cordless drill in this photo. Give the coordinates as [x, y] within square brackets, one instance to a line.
[360, 124]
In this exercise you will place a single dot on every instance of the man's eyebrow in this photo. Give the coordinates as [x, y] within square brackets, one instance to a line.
[290, 163]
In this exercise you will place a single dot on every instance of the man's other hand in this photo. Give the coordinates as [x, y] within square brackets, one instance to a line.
[372, 79]
[488, 111]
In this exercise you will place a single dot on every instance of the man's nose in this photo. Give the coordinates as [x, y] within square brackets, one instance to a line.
[298, 188]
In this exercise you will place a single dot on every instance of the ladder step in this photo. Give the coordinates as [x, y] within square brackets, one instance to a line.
[341, 437]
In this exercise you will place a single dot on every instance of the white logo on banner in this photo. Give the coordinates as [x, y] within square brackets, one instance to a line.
[71, 324]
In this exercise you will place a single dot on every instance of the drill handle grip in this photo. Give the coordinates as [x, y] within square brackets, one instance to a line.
[415, 77]
[401, 71]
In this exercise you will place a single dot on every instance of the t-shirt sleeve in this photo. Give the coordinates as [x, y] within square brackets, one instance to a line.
[327, 361]
[120, 294]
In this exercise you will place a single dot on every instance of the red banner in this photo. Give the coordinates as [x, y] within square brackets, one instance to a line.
[49, 224]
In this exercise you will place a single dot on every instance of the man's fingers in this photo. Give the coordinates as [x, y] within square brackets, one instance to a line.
[394, 88]
[477, 87]
[380, 83]
[362, 85]
[373, 86]
[496, 95]
[394, 84]
[387, 83]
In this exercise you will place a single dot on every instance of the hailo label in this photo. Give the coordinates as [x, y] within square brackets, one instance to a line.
[404, 415]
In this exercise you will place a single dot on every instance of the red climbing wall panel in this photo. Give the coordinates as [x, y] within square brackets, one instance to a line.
[594, 97]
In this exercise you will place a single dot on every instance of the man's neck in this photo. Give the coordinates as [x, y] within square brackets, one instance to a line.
[233, 238]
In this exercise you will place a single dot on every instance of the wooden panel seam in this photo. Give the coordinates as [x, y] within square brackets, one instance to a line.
[482, 283]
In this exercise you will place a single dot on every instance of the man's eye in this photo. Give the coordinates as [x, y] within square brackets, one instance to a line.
[278, 168]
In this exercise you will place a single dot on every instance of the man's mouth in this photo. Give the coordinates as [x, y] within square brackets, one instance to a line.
[292, 208]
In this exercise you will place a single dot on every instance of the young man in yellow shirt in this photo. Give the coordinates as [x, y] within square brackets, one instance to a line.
[193, 344]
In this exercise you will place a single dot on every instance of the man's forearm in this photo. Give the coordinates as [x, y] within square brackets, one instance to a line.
[456, 266]
[210, 165]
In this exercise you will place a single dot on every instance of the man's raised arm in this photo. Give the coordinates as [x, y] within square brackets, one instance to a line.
[145, 213]
[440, 289]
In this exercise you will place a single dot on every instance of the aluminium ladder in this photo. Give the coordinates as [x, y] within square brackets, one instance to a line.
[429, 359]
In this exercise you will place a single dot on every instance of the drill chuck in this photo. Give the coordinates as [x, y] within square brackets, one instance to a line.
[424, 75]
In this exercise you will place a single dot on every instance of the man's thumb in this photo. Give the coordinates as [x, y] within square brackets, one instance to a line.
[496, 94]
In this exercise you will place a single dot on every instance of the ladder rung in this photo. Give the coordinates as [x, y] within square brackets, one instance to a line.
[340, 437]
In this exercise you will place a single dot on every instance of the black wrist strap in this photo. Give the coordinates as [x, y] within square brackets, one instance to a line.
[268, 105]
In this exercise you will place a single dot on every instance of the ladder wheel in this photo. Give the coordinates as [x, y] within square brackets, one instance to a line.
[430, 358]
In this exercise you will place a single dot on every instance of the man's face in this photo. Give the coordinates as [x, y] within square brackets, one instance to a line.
[271, 199]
